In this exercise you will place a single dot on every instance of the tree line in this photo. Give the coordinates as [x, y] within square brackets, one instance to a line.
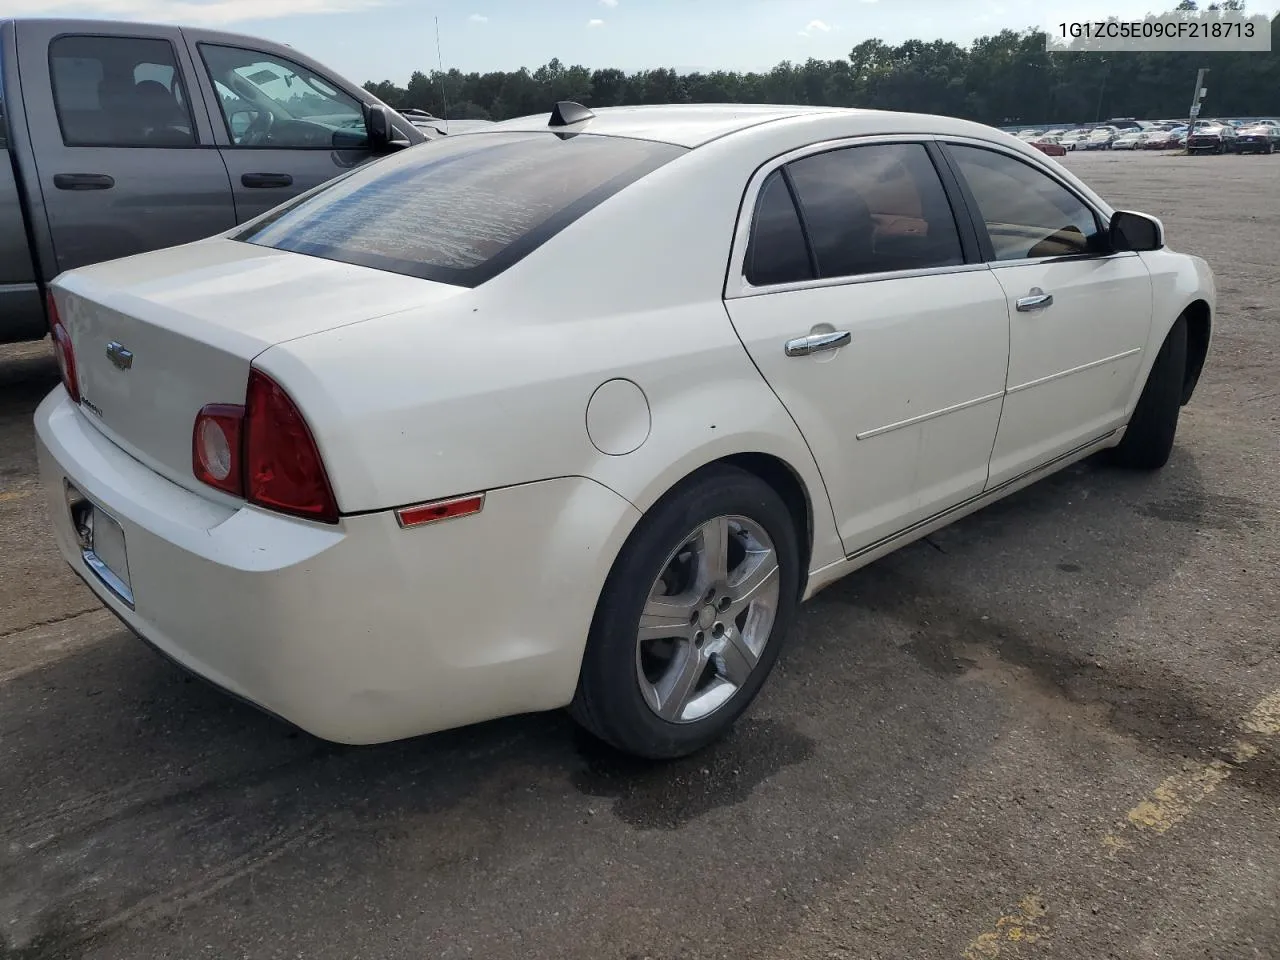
[1002, 79]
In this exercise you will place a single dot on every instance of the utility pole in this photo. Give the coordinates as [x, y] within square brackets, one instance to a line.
[1196, 97]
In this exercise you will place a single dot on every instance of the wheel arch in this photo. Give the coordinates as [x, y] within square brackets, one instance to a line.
[1199, 332]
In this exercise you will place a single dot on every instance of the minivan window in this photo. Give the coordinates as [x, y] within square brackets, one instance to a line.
[459, 210]
[119, 92]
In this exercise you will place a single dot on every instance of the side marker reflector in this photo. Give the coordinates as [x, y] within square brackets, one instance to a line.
[424, 513]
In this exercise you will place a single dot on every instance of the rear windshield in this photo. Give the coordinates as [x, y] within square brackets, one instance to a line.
[461, 209]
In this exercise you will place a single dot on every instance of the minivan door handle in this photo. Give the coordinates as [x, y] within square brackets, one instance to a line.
[816, 343]
[267, 180]
[83, 181]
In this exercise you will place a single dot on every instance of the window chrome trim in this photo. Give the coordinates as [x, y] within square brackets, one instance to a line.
[736, 285]
[1070, 258]
[747, 290]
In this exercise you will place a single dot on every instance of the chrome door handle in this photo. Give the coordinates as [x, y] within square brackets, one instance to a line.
[817, 342]
[1037, 300]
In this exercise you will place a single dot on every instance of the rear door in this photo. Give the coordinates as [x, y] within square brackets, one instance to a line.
[283, 125]
[860, 298]
[124, 162]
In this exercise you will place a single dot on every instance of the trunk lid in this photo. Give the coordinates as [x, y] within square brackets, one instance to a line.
[160, 335]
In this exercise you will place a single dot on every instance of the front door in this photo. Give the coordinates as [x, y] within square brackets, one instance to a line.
[857, 304]
[286, 128]
[123, 159]
[1079, 314]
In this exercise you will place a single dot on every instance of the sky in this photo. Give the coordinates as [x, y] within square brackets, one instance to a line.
[389, 39]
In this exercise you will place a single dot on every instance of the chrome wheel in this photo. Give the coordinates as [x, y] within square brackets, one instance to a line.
[707, 619]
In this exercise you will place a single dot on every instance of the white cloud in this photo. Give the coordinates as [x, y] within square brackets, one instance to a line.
[478, 18]
[608, 3]
[815, 26]
[593, 22]
[193, 12]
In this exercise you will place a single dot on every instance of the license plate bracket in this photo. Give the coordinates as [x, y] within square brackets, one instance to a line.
[102, 544]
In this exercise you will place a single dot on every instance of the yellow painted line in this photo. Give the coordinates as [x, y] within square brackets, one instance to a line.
[1024, 927]
[1177, 796]
[8, 495]
[1175, 799]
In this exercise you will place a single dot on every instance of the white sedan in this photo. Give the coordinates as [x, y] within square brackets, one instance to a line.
[576, 411]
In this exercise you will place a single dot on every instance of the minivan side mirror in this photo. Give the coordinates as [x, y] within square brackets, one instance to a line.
[382, 132]
[1135, 231]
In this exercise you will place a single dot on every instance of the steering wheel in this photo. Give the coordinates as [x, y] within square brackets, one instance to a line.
[259, 130]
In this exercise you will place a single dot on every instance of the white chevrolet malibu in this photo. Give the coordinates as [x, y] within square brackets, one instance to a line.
[576, 410]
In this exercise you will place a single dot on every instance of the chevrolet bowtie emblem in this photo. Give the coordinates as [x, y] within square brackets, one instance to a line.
[118, 355]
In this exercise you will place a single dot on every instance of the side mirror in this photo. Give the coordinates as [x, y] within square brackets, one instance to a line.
[1135, 231]
[382, 132]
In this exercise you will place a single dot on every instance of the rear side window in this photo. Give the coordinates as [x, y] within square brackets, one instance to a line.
[875, 209]
[776, 252]
[119, 92]
[460, 210]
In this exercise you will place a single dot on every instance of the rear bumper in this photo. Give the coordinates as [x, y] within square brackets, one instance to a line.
[361, 632]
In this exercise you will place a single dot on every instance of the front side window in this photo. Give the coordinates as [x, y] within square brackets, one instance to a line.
[874, 209]
[270, 102]
[463, 209]
[1028, 214]
[119, 92]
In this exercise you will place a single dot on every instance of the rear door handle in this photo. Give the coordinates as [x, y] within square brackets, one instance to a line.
[816, 343]
[267, 180]
[1036, 300]
[83, 181]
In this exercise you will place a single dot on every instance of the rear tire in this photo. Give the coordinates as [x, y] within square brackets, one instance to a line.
[1148, 441]
[661, 695]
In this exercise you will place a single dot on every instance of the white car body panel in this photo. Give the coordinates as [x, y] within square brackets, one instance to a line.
[415, 391]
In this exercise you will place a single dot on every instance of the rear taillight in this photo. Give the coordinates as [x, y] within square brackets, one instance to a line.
[63, 350]
[283, 470]
[216, 447]
[264, 452]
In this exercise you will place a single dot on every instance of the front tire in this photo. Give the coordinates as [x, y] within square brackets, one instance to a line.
[1148, 441]
[692, 617]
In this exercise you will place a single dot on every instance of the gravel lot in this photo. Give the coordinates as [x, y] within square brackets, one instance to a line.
[1052, 730]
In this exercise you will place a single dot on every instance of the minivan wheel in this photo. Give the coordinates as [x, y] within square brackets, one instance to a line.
[1148, 440]
[692, 617]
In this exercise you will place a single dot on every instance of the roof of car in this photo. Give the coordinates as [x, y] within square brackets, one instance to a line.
[694, 124]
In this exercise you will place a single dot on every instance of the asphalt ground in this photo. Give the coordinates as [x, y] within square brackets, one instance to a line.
[1051, 730]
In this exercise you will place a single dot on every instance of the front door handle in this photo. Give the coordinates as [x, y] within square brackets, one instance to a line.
[83, 181]
[816, 343]
[267, 180]
[1036, 300]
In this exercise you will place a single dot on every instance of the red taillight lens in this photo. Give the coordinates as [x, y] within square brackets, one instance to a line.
[216, 449]
[63, 350]
[263, 451]
[282, 466]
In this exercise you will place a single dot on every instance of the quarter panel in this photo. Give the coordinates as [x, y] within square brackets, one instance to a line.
[1177, 281]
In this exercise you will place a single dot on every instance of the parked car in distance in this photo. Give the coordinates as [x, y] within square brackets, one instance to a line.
[1073, 139]
[1049, 146]
[1211, 136]
[1099, 138]
[310, 460]
[1260, 137]
[1164, 139]
[1130, 140]
[127, 137]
